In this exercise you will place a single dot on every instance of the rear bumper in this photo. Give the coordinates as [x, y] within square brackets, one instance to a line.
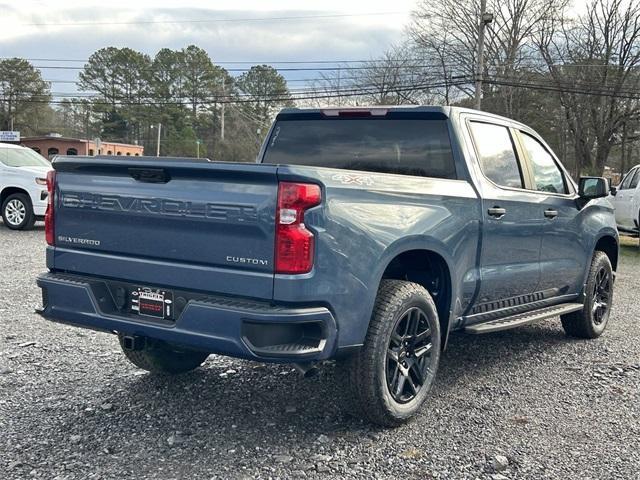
[215, 324]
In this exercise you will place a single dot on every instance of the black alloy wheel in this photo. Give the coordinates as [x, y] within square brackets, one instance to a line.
[591, 321]
[409, 355]
[601, 295]
[388, 379]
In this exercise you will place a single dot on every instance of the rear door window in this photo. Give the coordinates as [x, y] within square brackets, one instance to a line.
[546, 173]
[497, 155]
[416, 147]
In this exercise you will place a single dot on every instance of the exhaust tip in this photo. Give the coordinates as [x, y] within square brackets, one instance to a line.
[307, 370]
[133, 343]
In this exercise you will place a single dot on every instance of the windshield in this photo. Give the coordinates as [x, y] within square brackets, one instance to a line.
[402, 146]
[22, 157]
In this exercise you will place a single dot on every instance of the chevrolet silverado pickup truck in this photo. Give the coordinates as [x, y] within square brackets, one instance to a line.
[365, 236]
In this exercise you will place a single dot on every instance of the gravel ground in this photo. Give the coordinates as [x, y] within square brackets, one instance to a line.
[527, 403]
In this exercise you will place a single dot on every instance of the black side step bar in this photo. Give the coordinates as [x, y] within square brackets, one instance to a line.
[520, 319]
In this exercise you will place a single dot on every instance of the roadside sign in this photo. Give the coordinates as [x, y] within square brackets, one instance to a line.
[9, 136]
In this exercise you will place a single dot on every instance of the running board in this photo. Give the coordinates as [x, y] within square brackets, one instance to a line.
[520, 319]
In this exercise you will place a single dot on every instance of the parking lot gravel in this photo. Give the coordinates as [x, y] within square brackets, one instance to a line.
[526, 403]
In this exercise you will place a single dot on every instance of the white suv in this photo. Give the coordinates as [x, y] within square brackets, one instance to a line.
[23, 186]
[626, 200]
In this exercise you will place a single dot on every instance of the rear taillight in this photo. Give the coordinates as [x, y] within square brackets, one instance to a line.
[49, 232]
[294, 243]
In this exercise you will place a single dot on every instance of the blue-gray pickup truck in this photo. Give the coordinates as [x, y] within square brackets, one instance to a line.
[363, 235]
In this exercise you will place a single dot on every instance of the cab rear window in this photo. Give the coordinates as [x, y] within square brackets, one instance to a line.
[401, 146]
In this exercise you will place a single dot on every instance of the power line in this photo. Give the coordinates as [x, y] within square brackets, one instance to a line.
[583, 85]
[247, 98]
[294, 80]
[211, 20]
[302, 94]
[272, 99]
[326, 61]
[216, 96]
[237, 62]
[286, 69]
[581, 88]
[578, 91]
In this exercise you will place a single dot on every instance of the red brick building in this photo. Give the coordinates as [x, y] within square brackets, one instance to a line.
[50, 145]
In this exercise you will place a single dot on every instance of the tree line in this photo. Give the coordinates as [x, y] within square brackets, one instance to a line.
[201, 108]
[574, 78]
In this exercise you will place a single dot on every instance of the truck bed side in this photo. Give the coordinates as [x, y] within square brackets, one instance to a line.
[366, 221]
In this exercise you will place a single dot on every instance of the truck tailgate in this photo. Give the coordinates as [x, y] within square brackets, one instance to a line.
[169, 222]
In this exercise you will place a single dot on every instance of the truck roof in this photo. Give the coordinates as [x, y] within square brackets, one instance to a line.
[447, 111]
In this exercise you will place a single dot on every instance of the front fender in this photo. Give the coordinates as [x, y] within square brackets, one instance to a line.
[599, 222]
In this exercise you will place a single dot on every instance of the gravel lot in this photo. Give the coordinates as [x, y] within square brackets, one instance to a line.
[527, 403]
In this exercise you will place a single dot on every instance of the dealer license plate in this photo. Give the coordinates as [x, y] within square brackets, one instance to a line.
[152, 302]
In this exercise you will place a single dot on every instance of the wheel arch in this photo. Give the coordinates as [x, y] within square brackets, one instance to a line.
[608, 243]
[429, 267]
[7, 191]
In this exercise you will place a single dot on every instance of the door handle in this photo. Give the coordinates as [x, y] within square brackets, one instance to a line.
[550, 213]
[497, 212]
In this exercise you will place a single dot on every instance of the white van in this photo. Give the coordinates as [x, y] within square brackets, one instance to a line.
[23, 186]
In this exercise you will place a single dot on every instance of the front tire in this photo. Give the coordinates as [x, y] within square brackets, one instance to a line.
[592, 320]
[160, 357]
[390, 377]
[17, 212]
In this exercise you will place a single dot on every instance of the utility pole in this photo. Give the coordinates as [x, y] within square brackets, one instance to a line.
[485, 19]
[158, 143]
[222, 113]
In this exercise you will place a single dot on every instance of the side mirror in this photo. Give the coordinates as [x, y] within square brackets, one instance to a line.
[613, 190]
[593, 187]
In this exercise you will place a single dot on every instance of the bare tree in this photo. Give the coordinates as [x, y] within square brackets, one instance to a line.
[594, 62]
[510, 41]
[396, 78]
[446, 34]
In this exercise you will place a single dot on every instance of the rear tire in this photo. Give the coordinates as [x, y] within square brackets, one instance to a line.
[592, 320]
[161, 357]
[17, 212]
[389, 378]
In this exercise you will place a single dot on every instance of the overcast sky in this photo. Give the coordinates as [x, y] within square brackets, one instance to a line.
[66, 29]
